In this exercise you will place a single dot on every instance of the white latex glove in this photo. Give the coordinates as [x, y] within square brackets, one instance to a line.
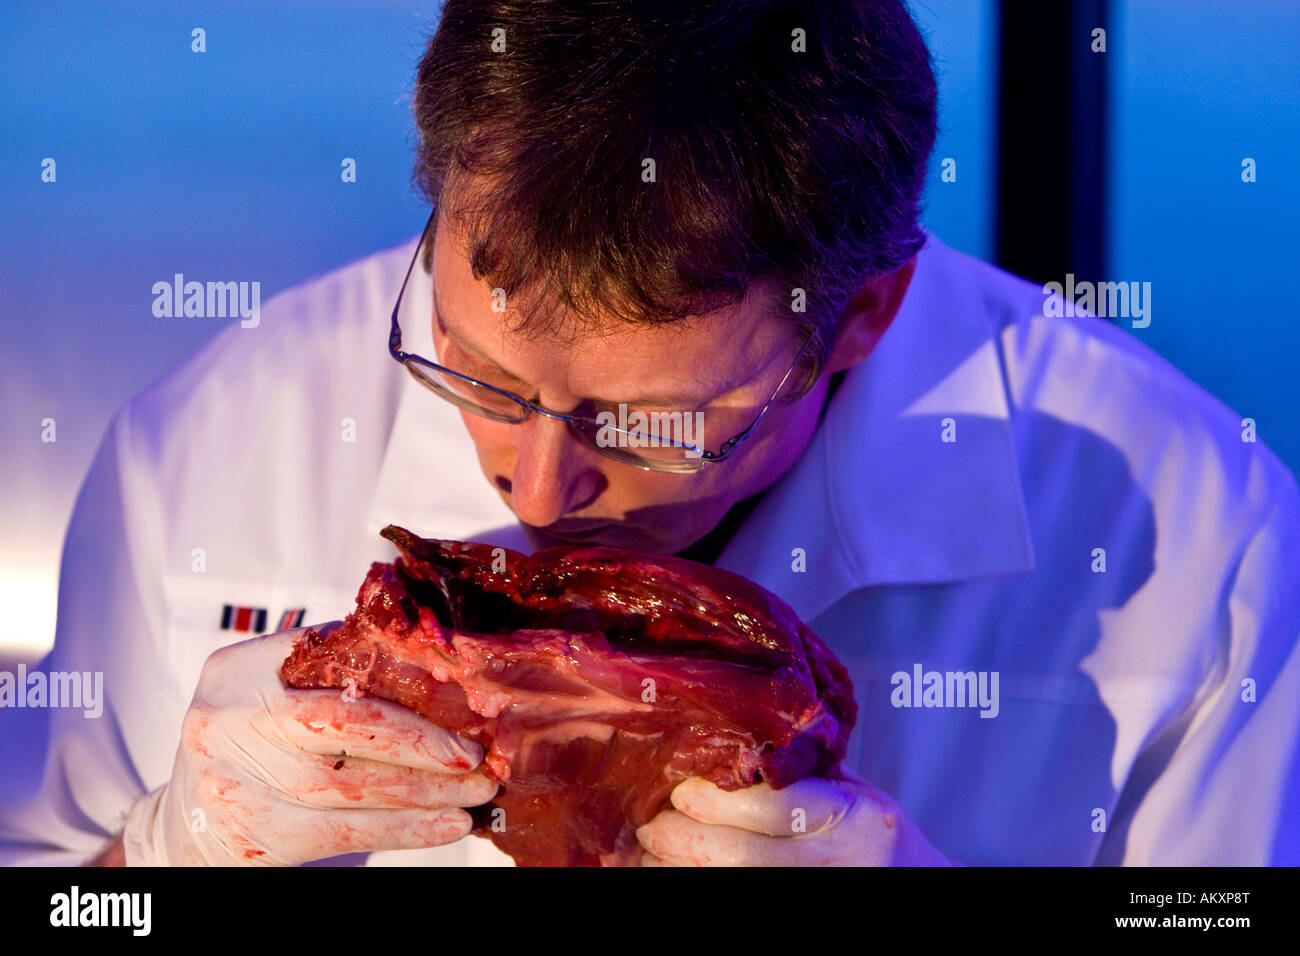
[812, 822]
[269, 775]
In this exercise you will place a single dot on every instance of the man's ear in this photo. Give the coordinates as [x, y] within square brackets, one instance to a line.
[867, 316]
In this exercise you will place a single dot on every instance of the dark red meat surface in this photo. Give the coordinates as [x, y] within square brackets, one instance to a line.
[595, 680]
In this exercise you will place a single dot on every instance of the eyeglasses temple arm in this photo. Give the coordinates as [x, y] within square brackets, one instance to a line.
[730, 444]
[395, 332]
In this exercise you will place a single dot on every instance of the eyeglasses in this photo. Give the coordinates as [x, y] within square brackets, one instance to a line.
[643, 445]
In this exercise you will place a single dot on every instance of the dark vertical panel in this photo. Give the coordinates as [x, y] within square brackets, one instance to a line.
[1088, 161]
[1051, 139]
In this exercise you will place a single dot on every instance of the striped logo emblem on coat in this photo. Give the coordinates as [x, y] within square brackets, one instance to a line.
[291, 618]
[251, 620]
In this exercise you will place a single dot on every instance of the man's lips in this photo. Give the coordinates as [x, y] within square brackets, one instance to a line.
[576, 532]
[609, 534]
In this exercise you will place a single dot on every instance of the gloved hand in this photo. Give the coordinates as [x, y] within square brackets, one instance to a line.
[812, 822]
[269, 775]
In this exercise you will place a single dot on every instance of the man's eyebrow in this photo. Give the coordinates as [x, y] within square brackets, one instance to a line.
[466, 346]
[663, 401]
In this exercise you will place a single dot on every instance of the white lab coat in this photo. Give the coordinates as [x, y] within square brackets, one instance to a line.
[1121, 734]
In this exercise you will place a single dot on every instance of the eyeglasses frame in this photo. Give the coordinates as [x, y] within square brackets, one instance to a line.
[694, 463]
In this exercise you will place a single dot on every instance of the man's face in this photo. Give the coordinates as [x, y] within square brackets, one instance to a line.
[725, 365]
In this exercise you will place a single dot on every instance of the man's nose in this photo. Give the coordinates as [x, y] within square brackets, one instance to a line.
[553, 473]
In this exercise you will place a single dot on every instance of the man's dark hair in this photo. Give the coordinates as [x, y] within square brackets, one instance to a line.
[802, 169]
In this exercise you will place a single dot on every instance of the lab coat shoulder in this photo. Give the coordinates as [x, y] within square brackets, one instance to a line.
[1100, 376]
[275, 426]
[1215, 608]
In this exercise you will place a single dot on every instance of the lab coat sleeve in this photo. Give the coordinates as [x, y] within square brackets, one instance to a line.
[75, 776]
[1229, 790]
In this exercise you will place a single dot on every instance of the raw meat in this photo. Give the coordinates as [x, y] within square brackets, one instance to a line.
[595, 680]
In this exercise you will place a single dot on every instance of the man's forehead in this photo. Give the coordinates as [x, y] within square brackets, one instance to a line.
[726, 347]
[682, 363]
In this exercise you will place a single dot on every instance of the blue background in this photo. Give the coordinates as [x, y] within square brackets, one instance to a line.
[225, 165]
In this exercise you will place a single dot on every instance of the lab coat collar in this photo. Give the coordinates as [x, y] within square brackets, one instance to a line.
[430, 481]
[879, 497]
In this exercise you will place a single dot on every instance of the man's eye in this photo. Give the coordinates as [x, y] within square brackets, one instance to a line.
[493, 377]
[642, 419]
[460, 362]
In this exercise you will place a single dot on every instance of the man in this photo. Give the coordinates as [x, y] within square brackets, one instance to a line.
[1063, 585]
